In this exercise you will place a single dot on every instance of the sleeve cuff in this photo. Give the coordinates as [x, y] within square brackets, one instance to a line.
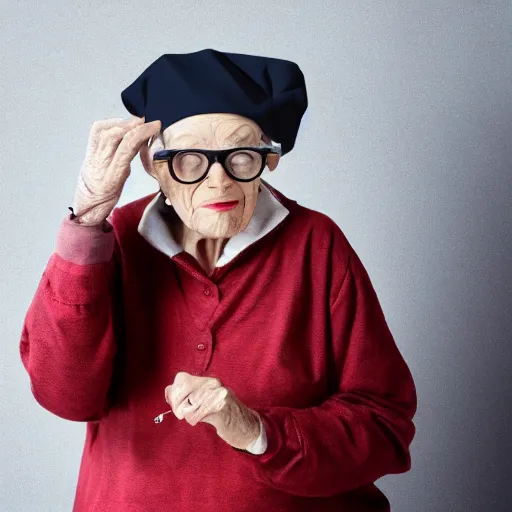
[84, 245]
[259, 446]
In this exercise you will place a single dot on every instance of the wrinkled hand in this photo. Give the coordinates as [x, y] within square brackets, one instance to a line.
[214, 404]
[112, 145]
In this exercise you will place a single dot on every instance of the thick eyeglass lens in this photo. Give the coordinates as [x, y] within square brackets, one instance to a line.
[244, 164]
[190, 166]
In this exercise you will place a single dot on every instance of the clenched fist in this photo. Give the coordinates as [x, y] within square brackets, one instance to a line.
[204, 399]
[112, 145]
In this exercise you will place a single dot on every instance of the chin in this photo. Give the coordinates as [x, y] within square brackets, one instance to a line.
[226, 227]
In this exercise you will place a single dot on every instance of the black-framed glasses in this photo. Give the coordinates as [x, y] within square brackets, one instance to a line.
[193, 165]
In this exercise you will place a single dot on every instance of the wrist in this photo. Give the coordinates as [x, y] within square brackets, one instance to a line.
[259, 445]
[92, 221]
[255, 430]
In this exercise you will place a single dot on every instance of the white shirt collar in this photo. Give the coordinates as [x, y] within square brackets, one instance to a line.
[268, 213]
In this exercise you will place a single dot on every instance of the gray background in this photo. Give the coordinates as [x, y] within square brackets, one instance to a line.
[406, 145]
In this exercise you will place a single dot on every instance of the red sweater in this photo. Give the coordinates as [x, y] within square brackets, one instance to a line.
[292, 325]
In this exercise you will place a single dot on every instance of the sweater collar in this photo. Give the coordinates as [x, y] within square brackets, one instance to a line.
[268, 213]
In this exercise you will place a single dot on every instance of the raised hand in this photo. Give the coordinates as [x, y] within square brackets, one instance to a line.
[112, 145]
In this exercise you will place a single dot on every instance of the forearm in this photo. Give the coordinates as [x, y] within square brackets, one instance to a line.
[68, 340]
[347, 442]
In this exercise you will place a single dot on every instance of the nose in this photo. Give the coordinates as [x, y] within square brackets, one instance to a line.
[217, 177]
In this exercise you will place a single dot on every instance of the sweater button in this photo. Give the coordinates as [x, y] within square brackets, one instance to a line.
[207, 291]
[200, 346]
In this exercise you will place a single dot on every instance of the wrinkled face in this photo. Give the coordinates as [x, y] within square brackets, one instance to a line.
[209, 131]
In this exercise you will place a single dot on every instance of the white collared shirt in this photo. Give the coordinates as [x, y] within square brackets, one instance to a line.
[268, 213]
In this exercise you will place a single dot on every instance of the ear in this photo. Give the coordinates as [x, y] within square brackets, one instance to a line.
[272, 161]
[146, 156]
[272, 158]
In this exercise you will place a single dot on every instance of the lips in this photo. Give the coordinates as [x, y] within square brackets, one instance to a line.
[222, 206]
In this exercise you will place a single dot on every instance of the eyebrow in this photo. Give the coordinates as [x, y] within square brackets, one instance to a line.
[192, 140]
[234, 138]
[182, 136]
[235, 134]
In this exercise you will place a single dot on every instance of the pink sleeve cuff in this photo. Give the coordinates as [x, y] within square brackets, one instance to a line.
[84, 245]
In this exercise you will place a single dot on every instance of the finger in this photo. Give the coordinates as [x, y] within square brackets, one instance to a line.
[110, 139]
[155, 138]
[187, 386]
[181, 389]
[180, 402]
[105, 124]
[102, 125]
[185, 409]
[176, 395]
[167, 393]
[133, 140]
[203, 392]
[212, 401]
[185, 403]
[200, 408]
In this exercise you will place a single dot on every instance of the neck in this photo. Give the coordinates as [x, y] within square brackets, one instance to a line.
[206, 251]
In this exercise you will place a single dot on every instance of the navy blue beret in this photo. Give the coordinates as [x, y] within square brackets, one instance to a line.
[271, 92]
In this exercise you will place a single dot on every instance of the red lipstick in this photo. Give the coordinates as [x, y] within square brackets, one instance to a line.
[222, 207]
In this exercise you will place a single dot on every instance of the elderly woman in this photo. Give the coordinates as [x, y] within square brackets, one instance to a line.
[252, 316]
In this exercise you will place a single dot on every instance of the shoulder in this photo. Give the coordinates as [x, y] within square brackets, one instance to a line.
[318, 241]
[316, 229]
[324, 229]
